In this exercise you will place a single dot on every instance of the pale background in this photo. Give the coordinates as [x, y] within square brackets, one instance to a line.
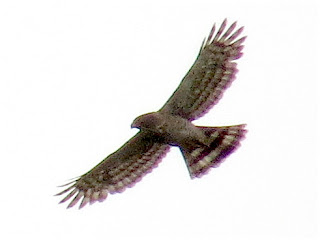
[74, 74]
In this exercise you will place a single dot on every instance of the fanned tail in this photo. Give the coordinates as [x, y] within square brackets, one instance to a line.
[225, 140]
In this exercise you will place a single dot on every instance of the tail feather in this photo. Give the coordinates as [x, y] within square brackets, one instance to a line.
[224, 140]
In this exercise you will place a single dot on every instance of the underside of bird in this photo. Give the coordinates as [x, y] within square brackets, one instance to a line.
[202, 147]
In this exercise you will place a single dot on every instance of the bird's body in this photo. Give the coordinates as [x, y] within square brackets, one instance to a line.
[175, 130]
[201, 147]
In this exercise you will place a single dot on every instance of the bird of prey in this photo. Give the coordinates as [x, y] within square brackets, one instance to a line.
[202, 147]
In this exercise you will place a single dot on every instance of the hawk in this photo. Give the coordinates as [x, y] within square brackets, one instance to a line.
[202, 147]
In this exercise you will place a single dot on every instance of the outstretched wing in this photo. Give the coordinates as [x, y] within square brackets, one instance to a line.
[212, 72]
[118, 171]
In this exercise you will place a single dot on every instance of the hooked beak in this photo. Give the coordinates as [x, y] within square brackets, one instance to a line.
[135, 124]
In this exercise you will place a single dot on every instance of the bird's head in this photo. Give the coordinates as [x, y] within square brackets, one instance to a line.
[150, 121]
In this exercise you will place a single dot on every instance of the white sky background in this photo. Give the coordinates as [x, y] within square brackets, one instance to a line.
[73, 76]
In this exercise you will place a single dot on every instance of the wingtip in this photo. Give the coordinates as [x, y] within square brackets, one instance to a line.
[84, 202]
[225, 21]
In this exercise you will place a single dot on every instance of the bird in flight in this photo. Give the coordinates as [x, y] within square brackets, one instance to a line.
[202, 147]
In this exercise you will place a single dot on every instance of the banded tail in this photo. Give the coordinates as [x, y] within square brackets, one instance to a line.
[225, 140]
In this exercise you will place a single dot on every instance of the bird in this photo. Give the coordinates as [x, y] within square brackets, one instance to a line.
[202, 148]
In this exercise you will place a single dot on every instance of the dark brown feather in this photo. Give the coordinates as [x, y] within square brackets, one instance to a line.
[212, 72]
[120, 170]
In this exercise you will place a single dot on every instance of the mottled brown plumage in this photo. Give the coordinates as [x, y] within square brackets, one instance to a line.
[202, 147]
